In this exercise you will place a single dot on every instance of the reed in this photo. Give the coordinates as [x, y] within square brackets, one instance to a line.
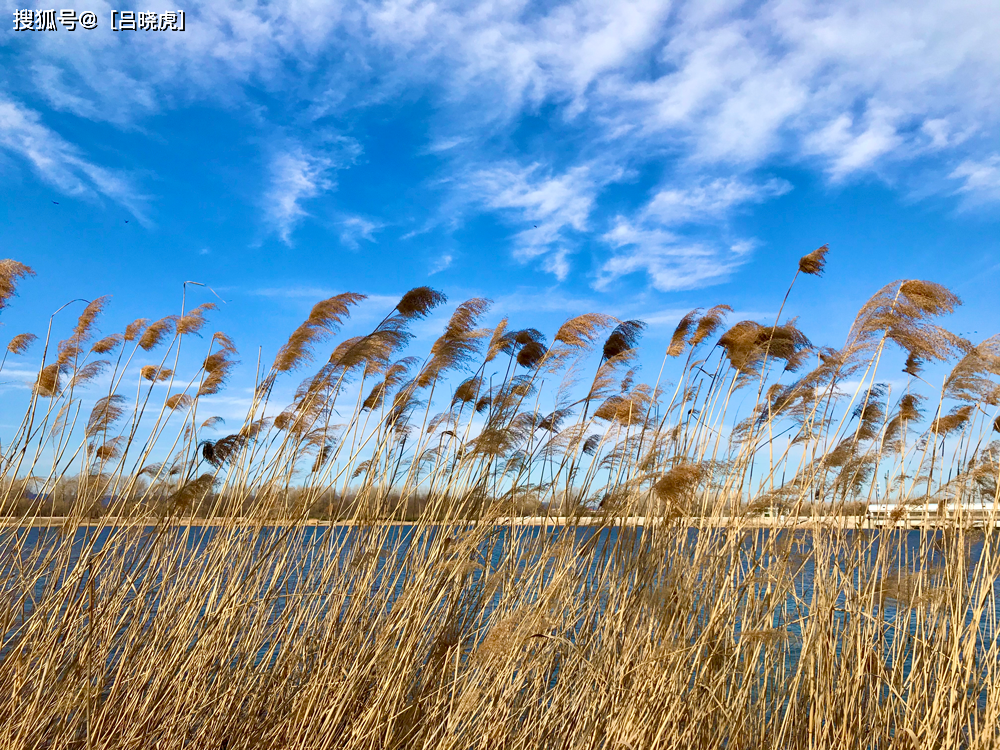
[342, 570]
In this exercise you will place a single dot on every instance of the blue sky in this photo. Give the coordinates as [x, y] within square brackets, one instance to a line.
[634, 158]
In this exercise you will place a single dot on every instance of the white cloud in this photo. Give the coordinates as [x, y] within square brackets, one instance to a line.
[851, 149]
[295, 177]
[545, 205]
[60, 163]
[656, 240]
[845, 88]
[980, 179]
[710, 200]
[441, 263]
[672, 263]
[295, 291]
[298, 174]
[356, 228]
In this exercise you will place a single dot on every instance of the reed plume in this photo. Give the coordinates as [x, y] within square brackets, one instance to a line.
[47, 383]
[105, 413]
[217, 368]
[194, 320]
[709, 323]
[460, 342]
[324, 321]
[747, 344]
[21, 343]
[953, 420]
[677, 485]
[178, 401]
[419, 301]
[155, 374]
[153, 334]
[394, 376]
[192, 493]
[218, 452]
[107, 344]
[623, 338]
[814, 262]
[682, 333]
[582, 331]
[901, 312]
[11, 272]
[135, 329]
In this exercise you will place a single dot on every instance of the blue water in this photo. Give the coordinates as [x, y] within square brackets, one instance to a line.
[329, 564]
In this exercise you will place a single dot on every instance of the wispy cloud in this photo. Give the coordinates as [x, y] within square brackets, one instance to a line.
[658, 239]
[353, 229]
[980, 180]
[672, 263]
[440, 264]
[296, 176]
[709, 200]
[546, 207]
[684, 90]
[298, 173]
[60, 163]
[294, 292]
[306, 294]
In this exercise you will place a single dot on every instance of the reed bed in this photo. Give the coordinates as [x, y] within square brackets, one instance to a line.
[133, 622]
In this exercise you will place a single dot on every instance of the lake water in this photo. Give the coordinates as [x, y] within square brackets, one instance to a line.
[287, 563]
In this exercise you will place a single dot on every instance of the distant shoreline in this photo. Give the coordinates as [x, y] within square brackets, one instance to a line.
[843, 522]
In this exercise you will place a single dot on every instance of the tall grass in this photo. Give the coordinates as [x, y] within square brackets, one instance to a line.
[129, 622]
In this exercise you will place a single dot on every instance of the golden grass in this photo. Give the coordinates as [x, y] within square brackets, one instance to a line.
[129, 625]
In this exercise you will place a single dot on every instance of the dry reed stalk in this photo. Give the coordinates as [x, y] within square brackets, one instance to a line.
[455, 632]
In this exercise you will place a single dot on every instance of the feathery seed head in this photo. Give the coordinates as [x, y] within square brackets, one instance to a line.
[710, 322]
[217, 367]
[47, 384]
[178, 401]
[155, 374]
[676, 486]
[625, 336]
[418, 302]
[323, 321]
[107, 344]
[193, 321]
[322, 456]
[328, 314]
[109, 450]
[527, 336]
[85, 323]
[88, 372]
[225, 343]
[582, 331]
[814, 262]
[11, 271]
[192, 492]
[156, 332]
[20, 343]
[531, 354]
[105, 413]
[134, 329]
[913, 365]
[467, 391]
[952, 421]
[909, 407]
[499, 341]
[681, 333]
